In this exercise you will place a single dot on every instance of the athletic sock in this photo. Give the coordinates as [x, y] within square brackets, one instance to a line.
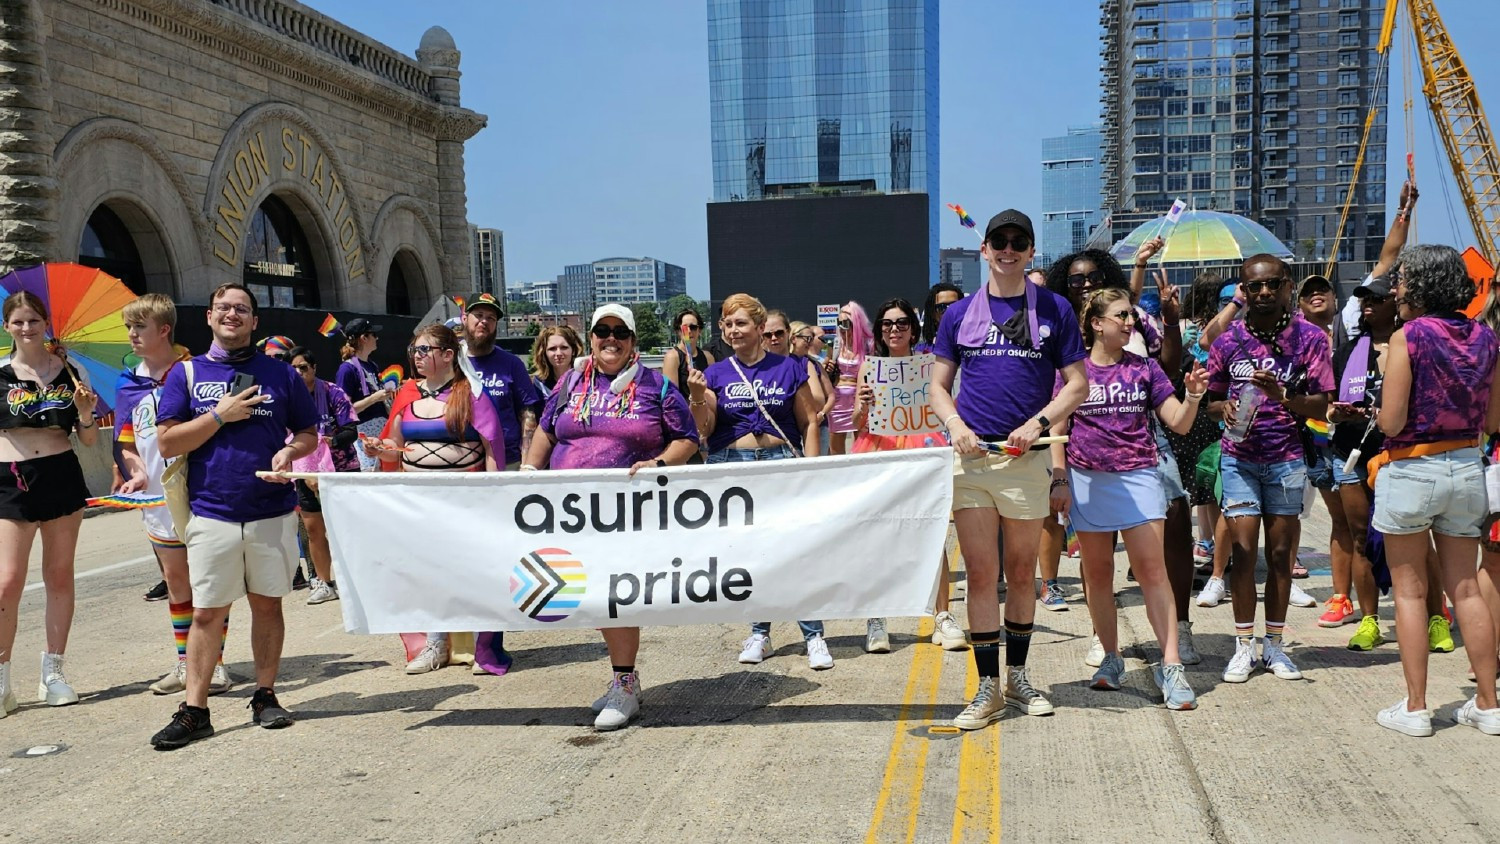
[986, 653]
[182, 621]
[1274, 630]
[1244, 632]
[1017, 643]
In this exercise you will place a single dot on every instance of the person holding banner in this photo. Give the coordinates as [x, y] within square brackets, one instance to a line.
[1112, 472]
[896, 330]
[614, 413]
[1437, 403]
[688, 351]
[757, 406]
[1009, 341]
[359, 380]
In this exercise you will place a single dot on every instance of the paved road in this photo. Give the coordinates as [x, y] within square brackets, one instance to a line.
[722, 752]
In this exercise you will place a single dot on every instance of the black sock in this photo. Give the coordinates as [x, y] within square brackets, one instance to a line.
[623, 669]
[1017, 643]
[986, 653]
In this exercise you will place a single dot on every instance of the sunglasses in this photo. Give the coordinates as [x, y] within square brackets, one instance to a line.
[898, 324]
[1078, 280]
[691, 326]
[846, 324]
[302, 367]
[423, 350]
[1123, 316]
[1273, 285]
[774, 335]
[604, 332]
[806, 338]
[940, 307]
[1375, 301]
[1017, 242]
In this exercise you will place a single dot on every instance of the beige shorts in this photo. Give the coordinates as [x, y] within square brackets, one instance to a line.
[226, 560]
[1017, 487]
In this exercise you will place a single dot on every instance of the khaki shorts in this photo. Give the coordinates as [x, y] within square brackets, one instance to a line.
[1017, 487]
[226, 560]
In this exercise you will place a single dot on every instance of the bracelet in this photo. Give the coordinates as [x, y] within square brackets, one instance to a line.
[1057, 482]
[1196, 396]
[527, 467]
[84, 427]
[950, 418]
[698, 403]
[217, 418]
[1238, 303]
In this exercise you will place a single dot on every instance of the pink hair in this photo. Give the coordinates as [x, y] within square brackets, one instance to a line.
[861, 337]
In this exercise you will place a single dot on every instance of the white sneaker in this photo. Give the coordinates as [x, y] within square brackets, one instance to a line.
[322, 592]
[54, 690]
[603, 700]
[219, 683]
[1019, 693]
[756, 648]
[1242, 664]
[1185, 650]
[1213, 592]
[1095, 657]
[1299, 598]
[7, 697]
[949, 634]
[1396, 717]
[173, 682]
[621, 703]
[1486, 721]
[983, 710]
[818, 657]
[877, 640]
[434, 655]
[1275, 659]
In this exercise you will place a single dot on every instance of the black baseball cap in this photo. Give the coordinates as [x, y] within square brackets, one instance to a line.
[485, 300]
[1377, 286]
[1010, 217]
[359, 326]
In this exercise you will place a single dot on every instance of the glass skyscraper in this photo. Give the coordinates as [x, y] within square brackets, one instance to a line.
[1071, 196]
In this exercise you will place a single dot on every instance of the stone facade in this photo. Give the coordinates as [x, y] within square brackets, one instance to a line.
[183, 116]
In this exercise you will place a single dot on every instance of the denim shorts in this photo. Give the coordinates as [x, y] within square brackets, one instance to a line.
[749, 455]
[1444, 492]
[1256, 489]
[1327, 471]
[1166, 466]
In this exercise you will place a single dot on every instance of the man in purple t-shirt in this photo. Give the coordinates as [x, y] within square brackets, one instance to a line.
[1009, 340]
[228, 414]
[505, 378]
[1279, 359]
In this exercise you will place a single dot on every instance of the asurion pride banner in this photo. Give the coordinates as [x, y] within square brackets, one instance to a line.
[834, 537]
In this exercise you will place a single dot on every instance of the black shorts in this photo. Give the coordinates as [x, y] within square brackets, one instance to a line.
[307, 499]
[42, 489]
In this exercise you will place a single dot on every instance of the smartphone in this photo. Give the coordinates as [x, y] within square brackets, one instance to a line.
[242, 382]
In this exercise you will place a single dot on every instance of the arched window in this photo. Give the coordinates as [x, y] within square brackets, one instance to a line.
[107, 245]
[278, 262]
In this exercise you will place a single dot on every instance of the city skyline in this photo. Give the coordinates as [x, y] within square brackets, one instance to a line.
[624, 165]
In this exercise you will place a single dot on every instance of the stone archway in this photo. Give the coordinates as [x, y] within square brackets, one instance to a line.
[405, 286]
[404, 230]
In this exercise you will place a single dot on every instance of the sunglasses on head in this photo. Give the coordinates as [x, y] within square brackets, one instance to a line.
[1017, 242]
[774, 335]
[1271, 284]
[897, 324]
[604, 332]
[1078, 280]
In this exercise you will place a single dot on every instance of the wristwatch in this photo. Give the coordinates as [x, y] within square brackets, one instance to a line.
[660, 463]
[1044, 422]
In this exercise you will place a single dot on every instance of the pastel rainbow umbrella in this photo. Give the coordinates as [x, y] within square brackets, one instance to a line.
[1201, 236]
[85, 305]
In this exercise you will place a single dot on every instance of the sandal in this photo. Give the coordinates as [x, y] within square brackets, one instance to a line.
[1299, 571]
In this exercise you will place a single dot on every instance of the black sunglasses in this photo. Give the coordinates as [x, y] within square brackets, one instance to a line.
[1017, 242]
[692, 326]
[604, 332]
[1078, 280]
[939, 307]
[302, 367]
[1375, 301]
[846, 324]
[1271, 284]
[898, 323]
[774, 335]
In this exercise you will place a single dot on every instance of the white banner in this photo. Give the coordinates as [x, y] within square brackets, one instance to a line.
[831, 537]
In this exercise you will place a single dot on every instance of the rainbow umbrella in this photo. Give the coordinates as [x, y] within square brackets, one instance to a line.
[1201, 236]
[85, 305]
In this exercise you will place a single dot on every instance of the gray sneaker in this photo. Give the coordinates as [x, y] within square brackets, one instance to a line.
[621, 703]
[1020, 694]
[322, 592]
[174, 681]
[1185, 650]
[219, 683]
[1110, 675]
[1175, 691]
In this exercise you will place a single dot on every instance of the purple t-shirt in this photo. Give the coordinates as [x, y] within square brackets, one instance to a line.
[221, 472]
[1305, 364]
[615, 437]
[775, 378]
[1006, 384]
[509, 386]
[358, 379]
[1452, 364]
[1111, 430]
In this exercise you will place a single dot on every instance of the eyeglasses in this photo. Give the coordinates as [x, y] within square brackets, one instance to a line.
[1017, 242]
[774, 335]
[1271, 284]
[1078, 280]
[898, 324]
[423, 350]
[846, 324]
[692, 326]
[604, 332]
[302, 367]
[225, 308]
[1123, 316]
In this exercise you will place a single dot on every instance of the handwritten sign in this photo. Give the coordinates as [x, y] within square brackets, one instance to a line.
[902, 387]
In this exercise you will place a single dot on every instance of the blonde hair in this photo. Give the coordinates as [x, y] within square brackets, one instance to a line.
[540, 366]
[1093, 308]
[744, 302]
[155, 307]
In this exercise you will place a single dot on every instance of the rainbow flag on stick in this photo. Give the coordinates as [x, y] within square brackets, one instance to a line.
[1070, 538]
[392, 376]
[330, 326]
[963, 217]
[1319, 429]
[687, 343]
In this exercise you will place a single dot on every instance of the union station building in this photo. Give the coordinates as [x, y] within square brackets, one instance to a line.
[180, 144]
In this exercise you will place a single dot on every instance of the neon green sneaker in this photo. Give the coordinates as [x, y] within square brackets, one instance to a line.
[1367, 637]
[1439, 637]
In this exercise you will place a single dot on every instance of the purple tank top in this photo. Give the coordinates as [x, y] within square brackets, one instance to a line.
[1452, 364]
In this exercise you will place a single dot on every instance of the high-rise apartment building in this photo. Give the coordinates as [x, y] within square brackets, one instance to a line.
[1072, 197]
[961, 267]
[631, 280]
[1250, 106]
[824, 125]
[575, 288]
[487, 260]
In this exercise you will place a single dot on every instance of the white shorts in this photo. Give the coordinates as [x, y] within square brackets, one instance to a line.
[159, 527]
[227, 560]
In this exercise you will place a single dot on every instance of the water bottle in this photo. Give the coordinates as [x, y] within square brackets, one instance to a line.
[1250, 400]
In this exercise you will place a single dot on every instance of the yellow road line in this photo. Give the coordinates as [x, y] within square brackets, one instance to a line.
[895, 817]
[976, 813]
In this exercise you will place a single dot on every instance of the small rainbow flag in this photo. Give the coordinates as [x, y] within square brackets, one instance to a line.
[1319, 429]
[278, 343]
[392, 376]
[330, 326]
[963, 216]
[460, 301]
[1070, 536]
[127, 502]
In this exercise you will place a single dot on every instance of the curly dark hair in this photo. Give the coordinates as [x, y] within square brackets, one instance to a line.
[1114, 274]
[1203, 297]
[1434, 278]
[905, 307]
[930, 318]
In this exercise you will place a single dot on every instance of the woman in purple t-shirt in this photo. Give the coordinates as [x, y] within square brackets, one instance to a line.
[1436, 405]
[1112, 458]
[754, 406]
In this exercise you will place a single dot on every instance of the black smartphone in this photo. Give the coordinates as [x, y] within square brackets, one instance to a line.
[242, 382]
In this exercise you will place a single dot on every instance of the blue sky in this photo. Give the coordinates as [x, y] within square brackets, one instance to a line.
[598, 140]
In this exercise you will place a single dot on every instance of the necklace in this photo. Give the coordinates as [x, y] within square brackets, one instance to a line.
[432, 394]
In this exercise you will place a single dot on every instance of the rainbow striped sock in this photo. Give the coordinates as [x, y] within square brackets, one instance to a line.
[182, 620]
[1274, 630]
[1244, 632]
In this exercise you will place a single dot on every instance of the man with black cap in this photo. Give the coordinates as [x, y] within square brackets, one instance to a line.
[1010, 339]
[504, 376]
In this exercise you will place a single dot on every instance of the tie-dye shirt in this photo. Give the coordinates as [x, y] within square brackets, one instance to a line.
[1304, 367]
[1452, 364]
[1111, 430]
[616, 436]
